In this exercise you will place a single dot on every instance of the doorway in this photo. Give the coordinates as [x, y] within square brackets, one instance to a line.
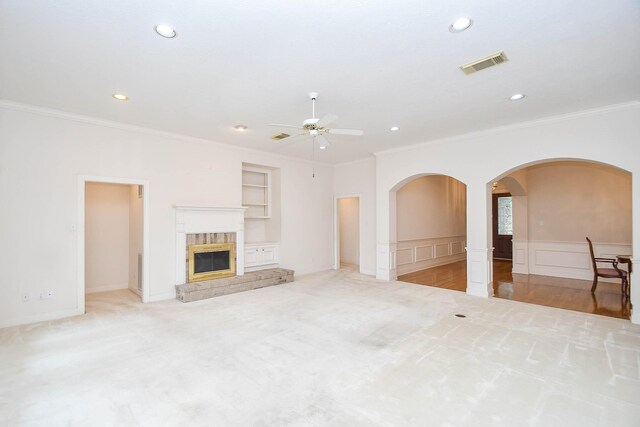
[502, 226]
[112, 237]
[348, 233]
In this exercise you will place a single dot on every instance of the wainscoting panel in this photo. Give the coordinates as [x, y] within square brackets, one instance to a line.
[569, 259]
[418, 254]
[404, 256]
[457, 248]
[424, 253]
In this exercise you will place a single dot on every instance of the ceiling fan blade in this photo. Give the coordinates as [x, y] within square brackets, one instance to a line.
[353, 132]
[284, 126]
[322, 141]
[326, 120]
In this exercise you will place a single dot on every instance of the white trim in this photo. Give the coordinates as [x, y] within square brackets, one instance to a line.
[82, 180]
[200, 207]
[516, 126]
[17, 106]
[162, 297]
[433, 257]
[571, 259]
[42, 317]
[351, 162]
[336, 230]
[107, 288]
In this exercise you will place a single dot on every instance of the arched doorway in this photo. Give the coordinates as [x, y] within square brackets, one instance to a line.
[552, 206]
[431, 231]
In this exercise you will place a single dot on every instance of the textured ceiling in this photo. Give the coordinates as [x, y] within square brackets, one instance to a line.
[375, 63]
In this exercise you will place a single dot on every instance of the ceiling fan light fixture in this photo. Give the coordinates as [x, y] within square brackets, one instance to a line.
[165, 31]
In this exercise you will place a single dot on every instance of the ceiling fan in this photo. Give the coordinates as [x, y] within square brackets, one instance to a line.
[316, 127]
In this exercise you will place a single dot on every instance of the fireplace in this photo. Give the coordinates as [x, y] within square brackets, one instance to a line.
[208, 225]
[211, 261]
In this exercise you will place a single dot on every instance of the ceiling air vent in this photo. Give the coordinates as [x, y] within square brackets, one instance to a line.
[280, 136]
[482, 63]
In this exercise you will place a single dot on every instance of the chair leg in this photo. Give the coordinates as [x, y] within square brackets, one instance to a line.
[595, 283]
[627, 290]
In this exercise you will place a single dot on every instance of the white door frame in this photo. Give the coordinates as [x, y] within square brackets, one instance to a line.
[336, 230]
[82, 181]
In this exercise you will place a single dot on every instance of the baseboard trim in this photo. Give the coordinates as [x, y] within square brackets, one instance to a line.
[37, 318]
[106, 288]
[162, 297]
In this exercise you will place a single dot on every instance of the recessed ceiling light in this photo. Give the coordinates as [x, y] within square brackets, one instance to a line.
[323, 147]
[165, 31]
[240, 128]
[394, 128]
[460, 25]
[517, 97]
[120, 97]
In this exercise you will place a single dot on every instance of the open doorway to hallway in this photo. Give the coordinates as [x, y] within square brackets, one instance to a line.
[348, 233]
[113, 243]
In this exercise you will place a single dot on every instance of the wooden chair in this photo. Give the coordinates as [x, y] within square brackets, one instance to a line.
[610, 273]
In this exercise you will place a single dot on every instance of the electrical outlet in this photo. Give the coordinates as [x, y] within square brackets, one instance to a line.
[47, 294]
[25, 297]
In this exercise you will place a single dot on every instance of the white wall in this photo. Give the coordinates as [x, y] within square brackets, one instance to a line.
[106, 237]
[349, 216]
[609, 135]
[571, 200]
[431, 206]
[359, 178]
[42, 152]
[136, 235]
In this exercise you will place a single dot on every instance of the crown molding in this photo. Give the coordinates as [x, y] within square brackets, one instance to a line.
[50, 112]
[517, 126]
[369, 157]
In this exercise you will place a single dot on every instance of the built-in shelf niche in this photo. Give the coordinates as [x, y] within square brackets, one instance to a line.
[257, 188]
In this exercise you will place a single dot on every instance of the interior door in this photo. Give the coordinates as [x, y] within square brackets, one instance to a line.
[502, 226]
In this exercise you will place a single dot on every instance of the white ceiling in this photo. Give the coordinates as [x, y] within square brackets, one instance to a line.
[375, 63]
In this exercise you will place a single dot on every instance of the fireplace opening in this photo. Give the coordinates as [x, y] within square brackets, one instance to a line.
[204, 262]
[211, 261]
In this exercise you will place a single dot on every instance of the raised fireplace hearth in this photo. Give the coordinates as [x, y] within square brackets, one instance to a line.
[205, 289]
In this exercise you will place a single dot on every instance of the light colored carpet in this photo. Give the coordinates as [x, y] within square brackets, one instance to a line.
[331, 349]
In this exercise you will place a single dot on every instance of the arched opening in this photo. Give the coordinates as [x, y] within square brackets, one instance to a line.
[430, 224]
[546, 210]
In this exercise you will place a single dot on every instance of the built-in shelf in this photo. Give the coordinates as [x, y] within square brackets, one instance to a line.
[256, 192]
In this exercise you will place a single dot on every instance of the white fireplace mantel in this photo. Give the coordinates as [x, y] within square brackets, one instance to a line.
[192, 219]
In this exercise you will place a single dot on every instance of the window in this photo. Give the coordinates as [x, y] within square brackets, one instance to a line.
[505, 218]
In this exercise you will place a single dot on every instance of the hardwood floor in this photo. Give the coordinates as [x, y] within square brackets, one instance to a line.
[570, 294]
